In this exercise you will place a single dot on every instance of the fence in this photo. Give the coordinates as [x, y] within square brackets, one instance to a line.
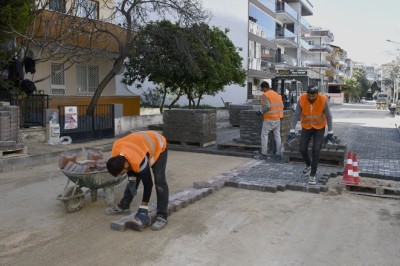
[31, 107]
[89, 127]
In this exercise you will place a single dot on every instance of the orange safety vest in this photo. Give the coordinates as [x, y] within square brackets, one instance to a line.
[135, 146]
[312, 116]
[276, 105]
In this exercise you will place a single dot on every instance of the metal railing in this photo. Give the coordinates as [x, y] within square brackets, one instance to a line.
[31, 107]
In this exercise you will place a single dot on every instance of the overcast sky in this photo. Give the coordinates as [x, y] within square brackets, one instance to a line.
[361, 27]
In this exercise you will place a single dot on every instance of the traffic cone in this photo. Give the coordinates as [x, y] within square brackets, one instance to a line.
[355, 170]
[348, 170]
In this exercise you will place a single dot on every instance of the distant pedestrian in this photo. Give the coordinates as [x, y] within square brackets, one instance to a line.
[313, 110]
[135, 155]
[272, 112]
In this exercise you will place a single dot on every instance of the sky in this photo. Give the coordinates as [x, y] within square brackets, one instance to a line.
[361, 27]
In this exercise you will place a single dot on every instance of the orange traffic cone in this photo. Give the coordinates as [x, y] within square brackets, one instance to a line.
[348, 170]
[355, 170]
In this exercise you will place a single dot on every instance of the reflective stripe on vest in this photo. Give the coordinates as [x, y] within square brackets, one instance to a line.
[152, 145]
[276, 106]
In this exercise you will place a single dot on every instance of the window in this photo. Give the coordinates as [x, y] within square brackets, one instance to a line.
[87, 78]
[87, 9]
[57, 5]
[57, 79]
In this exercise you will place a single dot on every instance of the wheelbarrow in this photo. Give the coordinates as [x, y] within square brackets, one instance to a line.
[74, 196]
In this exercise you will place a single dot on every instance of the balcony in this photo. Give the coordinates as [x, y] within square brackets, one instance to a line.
[76, 32]
[283, 60]
[286, 13]
[321, 48]
[286, 38]
[326, 34]
[305, 26]
[319, 64]
[304, 45]
[306, 7]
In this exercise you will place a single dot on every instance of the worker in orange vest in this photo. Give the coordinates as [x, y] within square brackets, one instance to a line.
[134, 155]
[313, 110]
[272, 112]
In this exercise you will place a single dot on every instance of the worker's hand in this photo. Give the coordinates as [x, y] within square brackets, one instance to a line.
[291, 136]
[132, 187]
[331, 139]
[259, 113]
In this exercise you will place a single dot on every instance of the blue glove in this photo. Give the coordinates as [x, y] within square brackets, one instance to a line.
[291, 136]
[132, 187]
[331, 139]
[259, 113]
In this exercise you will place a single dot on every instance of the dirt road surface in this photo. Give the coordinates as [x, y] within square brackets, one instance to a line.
[229, 227]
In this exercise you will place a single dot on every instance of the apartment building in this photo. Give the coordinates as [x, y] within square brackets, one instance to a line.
[72, 55]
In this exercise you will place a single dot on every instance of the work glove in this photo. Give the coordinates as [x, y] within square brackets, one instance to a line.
[331, 139]
[291, 136]
[132, 187]
[259, 113]
[143, 216]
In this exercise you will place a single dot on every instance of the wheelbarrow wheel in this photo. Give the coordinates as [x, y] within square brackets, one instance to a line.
[75, 202]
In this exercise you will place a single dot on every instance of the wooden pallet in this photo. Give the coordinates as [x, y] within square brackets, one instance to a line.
[237, 146]
[12, 153]
[383, 192]
[196, 144]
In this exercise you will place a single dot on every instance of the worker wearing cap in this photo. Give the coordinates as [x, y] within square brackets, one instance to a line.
[134, 155]
[272, 112]
[313, 110]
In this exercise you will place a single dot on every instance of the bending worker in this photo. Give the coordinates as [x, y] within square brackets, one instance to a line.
[272, 112]
[135, 155]
[313, 110]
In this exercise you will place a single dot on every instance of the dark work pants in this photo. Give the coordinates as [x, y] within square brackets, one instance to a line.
[317, 136]
[160, 181]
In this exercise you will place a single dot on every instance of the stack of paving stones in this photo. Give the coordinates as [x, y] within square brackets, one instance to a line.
[235, 110]
[277, 176]
[187, 126]
[190, 195]
[251, 125]
[94, 162]
[9, 128]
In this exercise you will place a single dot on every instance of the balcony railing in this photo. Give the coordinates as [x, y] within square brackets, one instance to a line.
[317, 63]
[304, 45]
[320, 48]
[284, 7]
[286, 34]
[305, 23]
[285, 60]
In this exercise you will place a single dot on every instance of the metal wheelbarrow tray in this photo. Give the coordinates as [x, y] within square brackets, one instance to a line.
[74, 196]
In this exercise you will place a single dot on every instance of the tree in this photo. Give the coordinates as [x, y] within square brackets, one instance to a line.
[72, 32]
[192, 61]
[15, 16]
[362, 82]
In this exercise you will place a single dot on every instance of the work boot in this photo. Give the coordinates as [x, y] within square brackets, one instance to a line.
[140, 221]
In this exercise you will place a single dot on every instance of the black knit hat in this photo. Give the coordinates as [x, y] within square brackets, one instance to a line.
[312, 89]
